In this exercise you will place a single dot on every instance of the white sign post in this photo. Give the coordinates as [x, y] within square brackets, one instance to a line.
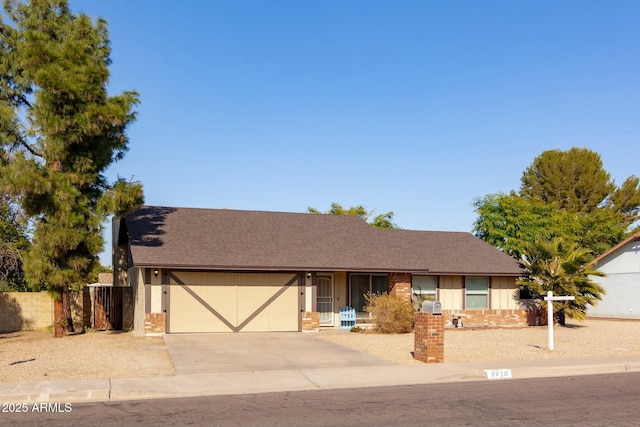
[550, 298]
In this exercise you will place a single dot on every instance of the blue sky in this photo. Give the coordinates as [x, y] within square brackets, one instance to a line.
[416, 107]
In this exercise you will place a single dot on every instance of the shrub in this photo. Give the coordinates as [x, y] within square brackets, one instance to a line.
[391, 315]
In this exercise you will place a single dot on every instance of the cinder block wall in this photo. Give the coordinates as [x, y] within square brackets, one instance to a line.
[25, 311]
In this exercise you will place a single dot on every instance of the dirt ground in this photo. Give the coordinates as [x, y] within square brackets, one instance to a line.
[37, 356]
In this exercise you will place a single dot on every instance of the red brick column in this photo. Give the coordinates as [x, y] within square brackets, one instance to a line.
[400, 285]
[429, 337]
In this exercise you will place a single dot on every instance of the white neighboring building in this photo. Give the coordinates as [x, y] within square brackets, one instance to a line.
[621, 264]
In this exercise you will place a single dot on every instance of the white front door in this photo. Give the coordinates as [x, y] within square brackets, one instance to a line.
[325, 298]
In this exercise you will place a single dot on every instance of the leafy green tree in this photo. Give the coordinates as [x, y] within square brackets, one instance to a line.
[384, 220]
[510, 222]
[563, 194]
[562, 268]
[597, 231]
[60, 131]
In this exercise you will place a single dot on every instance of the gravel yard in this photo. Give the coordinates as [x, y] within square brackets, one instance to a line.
[576, 339]
[37, 356]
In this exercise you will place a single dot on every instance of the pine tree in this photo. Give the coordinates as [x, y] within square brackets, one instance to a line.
[572, 180]
[575, 181]
[59, 132]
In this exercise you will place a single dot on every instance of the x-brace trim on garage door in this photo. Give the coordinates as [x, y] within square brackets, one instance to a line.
[294, 279]
[203, 302]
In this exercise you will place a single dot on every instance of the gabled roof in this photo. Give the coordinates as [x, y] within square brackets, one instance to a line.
[635, 236]
[220, 239]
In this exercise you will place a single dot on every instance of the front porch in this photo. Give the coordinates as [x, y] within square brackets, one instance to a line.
[490, 301]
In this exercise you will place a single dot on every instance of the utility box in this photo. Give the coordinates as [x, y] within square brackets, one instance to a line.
[433, 307]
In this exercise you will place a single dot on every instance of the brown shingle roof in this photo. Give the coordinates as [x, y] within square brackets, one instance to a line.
[253, 240]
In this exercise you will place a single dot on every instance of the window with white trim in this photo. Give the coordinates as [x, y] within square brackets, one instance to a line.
[476, 293]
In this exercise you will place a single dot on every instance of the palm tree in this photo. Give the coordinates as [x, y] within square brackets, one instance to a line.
[562, 268]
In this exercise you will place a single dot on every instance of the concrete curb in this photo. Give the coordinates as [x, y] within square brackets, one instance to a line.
[189, 385]
[56, 391]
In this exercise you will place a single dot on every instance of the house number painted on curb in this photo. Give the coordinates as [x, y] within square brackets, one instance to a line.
[498, 374]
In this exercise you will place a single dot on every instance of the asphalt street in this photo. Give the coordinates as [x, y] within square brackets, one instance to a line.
[590, 400]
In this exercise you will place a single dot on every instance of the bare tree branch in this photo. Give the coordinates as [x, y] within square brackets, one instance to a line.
[10, 260]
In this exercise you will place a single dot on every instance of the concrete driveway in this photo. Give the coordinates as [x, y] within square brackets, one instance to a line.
[218, 353]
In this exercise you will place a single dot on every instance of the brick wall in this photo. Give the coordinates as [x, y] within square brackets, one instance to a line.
[310, 321]
[487, 318]
[25, 311]
[429, 338]
[400, 285]
[154, 323]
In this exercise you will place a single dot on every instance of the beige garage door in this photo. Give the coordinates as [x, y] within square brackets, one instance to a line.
[233, 302]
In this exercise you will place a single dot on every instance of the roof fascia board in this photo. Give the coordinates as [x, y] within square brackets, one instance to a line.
[329, 269]
[602, 256]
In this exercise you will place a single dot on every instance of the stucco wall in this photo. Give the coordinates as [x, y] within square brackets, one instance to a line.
[119, 254]
[622, 298]
[136, 281]
[156, 292]
[622, 283]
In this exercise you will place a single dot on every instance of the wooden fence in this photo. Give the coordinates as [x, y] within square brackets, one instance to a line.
[107, 307]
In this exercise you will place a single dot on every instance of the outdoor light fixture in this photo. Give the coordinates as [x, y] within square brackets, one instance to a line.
[155, 272]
